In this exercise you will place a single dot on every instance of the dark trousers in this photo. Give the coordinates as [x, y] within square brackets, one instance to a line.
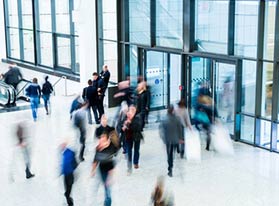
[208, 138]
[142, 115]
[95, 112]
[129, 147]
[68, 183]
[82, 141]
[100, 106]
[170, 150]
[46, 101]
[104, 177]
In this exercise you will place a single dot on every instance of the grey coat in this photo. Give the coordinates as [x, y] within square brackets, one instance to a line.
[171, 130]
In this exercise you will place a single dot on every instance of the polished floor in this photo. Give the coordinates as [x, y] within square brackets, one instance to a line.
[249, 178]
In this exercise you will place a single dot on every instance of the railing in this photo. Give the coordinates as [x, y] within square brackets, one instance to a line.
[66, 89]
[7, 94]
[22, 90]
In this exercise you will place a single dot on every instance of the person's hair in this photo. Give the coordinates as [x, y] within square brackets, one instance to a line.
[46, 78]
[35, 80]
[181, 103]
[95, 74]
[105, 133]
[89, 82]
[170, 109]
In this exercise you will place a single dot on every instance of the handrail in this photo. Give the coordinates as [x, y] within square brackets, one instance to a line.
[62, 77]
[10, 90]
[27, 82]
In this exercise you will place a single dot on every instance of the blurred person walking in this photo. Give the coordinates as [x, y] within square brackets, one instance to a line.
[104, 160]
[47, 89]
[182, 113]
[34, 92]
[76, 104]
[22, 148]
[133, 136]
[104, 127]
[160, 197]
[171, 133]
[79, 119]
[69, 164]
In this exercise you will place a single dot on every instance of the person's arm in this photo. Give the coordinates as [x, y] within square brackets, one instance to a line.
[187, 119]
[94, 167]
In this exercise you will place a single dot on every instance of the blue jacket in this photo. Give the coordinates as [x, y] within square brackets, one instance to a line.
[33, 90]
[69, 163]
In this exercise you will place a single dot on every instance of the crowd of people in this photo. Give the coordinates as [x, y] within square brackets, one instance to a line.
[125, 133]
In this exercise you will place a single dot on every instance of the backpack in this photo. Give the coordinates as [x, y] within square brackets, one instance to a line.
[46, 89]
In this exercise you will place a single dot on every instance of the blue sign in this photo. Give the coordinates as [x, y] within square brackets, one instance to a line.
[157, 81]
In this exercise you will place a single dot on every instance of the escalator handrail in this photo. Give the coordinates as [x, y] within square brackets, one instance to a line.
[9, 88]
[27, 82]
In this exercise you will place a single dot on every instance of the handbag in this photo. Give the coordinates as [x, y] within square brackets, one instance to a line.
[202, 117]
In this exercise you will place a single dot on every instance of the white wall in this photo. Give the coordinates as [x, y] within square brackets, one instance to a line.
[2, 33]
[86, 25]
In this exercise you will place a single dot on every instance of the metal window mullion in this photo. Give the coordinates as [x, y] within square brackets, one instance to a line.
[7, 31]
[72, 38]
[153, 23]
[20, 32]
[120, 51]
[231, 27]
[99, 34]
[188, 25]
[53, 28]
[259, 73]
[35, 22]
[183, 78]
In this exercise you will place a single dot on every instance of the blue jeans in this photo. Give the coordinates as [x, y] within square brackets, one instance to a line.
[129, 147]
[34, 106]
[46, 101]
[104, 176]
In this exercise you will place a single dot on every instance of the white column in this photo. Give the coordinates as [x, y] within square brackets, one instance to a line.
[2, 33]
[85, 18]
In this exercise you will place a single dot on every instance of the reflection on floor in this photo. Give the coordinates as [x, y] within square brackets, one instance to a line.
[249, 178]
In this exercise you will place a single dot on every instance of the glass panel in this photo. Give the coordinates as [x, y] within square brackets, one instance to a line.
[175, 78]
[200, 77]
[109, 19]
[169, 23]
[133, 66]
[267, 90]
[246, 28]
[269, 30]
[62, 16]
[46, 49]
[225, 93]
[45, 15]
[139, 21]
[110, 58]
[247, 129]
[77, 69]
[157, 78]
[13, 13]
[64, 52]
[212, 25]
[14, 43]
[28, 46]
[27, 18]
[248, 86]
[265, 133]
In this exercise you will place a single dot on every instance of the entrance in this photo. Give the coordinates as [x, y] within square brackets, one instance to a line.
[215, 78]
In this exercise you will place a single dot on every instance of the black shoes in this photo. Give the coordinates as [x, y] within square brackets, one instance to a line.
[170, 173]
[30, 176]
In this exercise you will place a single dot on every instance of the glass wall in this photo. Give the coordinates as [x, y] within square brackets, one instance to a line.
[21, 33]
[267, 83]
[247, 129]
[110, 58]
[139, 21]
[246, 28]
[211, 27]
[175, 77]
[169, 23]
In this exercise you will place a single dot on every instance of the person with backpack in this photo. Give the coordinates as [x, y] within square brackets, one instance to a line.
[47, 89]
[33, 91]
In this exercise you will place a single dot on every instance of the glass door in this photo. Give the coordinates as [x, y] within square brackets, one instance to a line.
[156, 75]
[63, 52]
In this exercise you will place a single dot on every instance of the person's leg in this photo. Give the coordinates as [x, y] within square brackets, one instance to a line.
[169, 148]
[136, 153]
[102, 110]
[68, 183]
[129, 146]
[182, 145]
[33, 108]
[142, 115]
[82, 142]
[89, 114]
[208, 138]
[95, 112]
[104, 176]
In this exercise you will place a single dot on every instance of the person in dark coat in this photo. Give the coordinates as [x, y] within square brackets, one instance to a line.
[34, 92]
[104, 127]
[105, 152]
[76, 104]
[13, 76]
[133, 136]
[105, 75]
[68, 167]
[171, 134]
[47, 89]
[142, 102]
[101, 89]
